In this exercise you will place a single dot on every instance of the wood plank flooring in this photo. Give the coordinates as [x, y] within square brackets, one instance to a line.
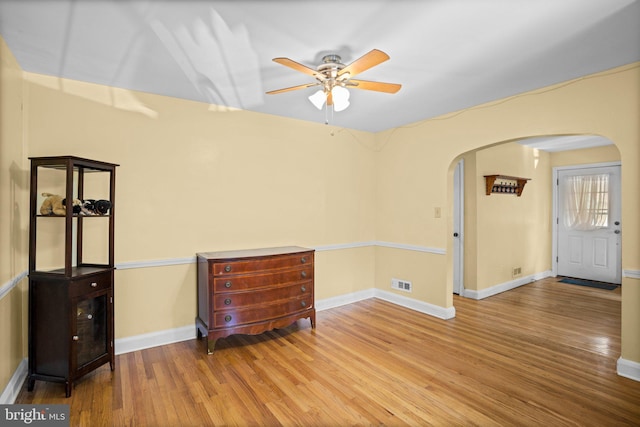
[543, 354]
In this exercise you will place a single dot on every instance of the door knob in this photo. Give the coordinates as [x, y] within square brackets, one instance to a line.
[617, 231]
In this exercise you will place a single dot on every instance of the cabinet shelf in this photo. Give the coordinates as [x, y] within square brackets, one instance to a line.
[72, 216]
[78, 271]
[505, 184]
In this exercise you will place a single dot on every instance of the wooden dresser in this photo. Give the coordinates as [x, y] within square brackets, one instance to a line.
[253, 291]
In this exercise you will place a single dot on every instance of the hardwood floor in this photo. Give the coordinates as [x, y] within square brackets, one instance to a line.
[542, 354]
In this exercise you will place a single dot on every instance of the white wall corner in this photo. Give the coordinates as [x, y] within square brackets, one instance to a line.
[502, 287]
[11, 391]
[420, 306]
[629, 369]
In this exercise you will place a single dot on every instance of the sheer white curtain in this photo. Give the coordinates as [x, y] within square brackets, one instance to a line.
[586, 202]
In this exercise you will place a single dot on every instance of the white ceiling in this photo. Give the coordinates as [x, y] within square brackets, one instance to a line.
[447, 54]
[566, 142]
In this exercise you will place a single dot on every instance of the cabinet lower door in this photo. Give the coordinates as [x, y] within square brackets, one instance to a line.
[91, 329]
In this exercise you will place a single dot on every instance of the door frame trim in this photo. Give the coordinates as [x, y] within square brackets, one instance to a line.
[554, 208]
[458, 226]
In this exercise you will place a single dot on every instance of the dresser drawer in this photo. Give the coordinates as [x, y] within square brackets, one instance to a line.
[261, 264]
[234, 300]
[257, 281]
[86, 286]
[227, 318]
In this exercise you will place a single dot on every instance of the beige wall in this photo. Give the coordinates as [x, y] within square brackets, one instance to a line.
[14, 186]
[512, 232]
[608, 153]
[199, 178]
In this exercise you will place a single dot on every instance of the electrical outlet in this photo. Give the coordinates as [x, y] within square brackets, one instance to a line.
[437, 212]
[517, 271]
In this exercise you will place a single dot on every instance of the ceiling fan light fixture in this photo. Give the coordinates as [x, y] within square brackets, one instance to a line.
[333, 77]
[318, 99]
[340, 98]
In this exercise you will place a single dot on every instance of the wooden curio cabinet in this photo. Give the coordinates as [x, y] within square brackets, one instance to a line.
[71, 271]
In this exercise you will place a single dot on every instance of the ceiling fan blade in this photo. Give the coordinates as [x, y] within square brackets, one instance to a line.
[365, 62]
[287, 89]
[377, 86]
[296, 66]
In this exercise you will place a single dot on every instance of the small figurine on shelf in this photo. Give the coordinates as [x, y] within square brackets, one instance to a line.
[52, 205]
[56, 205]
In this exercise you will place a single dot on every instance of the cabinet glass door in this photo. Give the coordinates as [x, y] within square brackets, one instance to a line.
[91, 329]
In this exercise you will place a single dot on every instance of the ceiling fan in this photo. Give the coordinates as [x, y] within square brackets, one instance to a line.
[334, 78]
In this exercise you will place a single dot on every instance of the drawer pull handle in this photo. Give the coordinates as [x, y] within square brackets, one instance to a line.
[227, 318]
[94, 285]
[303, 288]
[227, 301]
[303, 260]
[227, 268]
[227, 285]
[75, 338]
[303, 303]
[303, 274]
[89, 316]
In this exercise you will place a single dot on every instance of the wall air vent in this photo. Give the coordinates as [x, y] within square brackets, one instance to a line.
[401, 285]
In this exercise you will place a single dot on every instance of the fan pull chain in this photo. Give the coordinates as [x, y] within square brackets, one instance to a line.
[326, 114]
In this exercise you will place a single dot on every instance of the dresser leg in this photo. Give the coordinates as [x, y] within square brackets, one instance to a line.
[30, 384]
[68, 388]
[312, 318]
[211, 344]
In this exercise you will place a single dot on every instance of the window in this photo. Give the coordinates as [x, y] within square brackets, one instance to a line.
[586, 202]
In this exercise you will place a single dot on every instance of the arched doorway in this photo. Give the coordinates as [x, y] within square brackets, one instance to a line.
[508, 241]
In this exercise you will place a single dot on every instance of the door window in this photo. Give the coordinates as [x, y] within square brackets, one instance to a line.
[586, 202]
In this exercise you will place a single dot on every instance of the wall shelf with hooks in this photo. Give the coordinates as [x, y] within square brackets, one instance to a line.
[504, 184]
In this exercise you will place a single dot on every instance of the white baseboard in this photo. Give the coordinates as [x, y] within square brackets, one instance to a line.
[327, 303]
[634, 274]
[413, 304]
[629, 369]
[184, 333]
[410, 303]
[154, 339]
[10, 393]
[502, 287]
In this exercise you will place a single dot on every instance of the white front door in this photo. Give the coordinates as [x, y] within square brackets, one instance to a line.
[589, 228]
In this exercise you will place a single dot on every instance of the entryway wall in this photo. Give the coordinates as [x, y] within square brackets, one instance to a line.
[504, 232]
